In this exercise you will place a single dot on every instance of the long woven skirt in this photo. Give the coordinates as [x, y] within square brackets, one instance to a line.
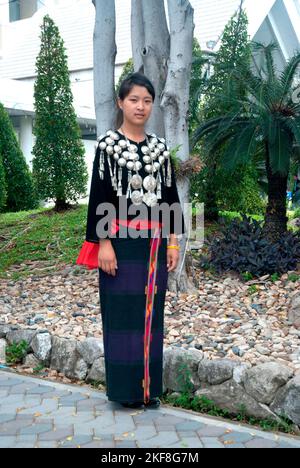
[132, 309]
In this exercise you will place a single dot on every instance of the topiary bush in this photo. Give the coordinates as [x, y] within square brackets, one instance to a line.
[242, 247]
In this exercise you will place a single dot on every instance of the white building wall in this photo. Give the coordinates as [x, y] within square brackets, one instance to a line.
[4, 20]
[19, 44]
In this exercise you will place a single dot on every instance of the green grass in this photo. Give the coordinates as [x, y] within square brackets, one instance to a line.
[40, 235]
[230, 215]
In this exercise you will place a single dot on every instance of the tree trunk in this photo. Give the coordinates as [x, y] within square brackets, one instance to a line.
[62, 205]
[105, 51]
[175, 105]
[137, 35]
[151, 49]
[275, 218]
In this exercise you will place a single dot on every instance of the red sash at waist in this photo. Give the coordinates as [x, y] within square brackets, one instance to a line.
[89, 251]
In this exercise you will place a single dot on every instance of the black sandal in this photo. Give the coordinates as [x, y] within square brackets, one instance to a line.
[153, 403]
[134, 404]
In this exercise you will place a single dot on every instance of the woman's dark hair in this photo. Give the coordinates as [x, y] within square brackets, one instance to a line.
[126, 86]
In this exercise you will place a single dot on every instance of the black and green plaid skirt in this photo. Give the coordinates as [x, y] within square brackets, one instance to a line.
[132, 309]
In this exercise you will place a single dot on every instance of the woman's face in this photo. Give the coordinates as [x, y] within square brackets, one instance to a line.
[137, 106]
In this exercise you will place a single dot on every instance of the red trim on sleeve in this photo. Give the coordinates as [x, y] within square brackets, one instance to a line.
[88, 255]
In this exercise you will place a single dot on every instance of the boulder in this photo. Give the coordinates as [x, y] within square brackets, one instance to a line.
[216, 371]
[262, 382]
[80, 370]
[41, 346]
[178, 363]
[90, 349]
[2, 351]
[287, 401]
[31, 361]
[64, 358]
[4, 329]
[97, 372]
[231, 396]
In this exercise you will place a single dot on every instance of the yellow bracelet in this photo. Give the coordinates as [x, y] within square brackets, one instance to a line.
[173, 247]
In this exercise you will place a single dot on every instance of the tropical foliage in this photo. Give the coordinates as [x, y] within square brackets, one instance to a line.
[266, 119]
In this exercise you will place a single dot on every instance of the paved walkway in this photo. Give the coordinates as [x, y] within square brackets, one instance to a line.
[39, 413]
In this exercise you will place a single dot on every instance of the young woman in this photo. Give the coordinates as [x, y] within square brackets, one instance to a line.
[135, 167]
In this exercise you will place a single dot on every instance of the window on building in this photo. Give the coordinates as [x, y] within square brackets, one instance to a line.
[14, 10]
[21, 9]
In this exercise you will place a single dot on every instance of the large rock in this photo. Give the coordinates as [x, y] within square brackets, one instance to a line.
[16, 336]
[239, 372]
[231, 396]
[262, 382]
[216, 371]
[4, 329]
[31, 361]
[287, 401]
[90, 349]
[41, 346]
[180, 367]
[294, 312]
[2, 351]
[65, 358]
[97, 372]
[80, 370]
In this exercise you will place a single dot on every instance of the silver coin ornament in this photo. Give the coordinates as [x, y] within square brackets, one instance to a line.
[132, 148]
[109, 141]
[150, 199]
[130, 165]
[136, 197]
[122, 162]
[147, 159]
[118, 149]
[136, 181]
[122, 144]
[148, 168]
[145, 150]
[149, 183]
[109, 150]
[138, 166]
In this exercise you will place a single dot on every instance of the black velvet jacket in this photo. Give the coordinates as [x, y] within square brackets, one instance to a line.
[102, 191]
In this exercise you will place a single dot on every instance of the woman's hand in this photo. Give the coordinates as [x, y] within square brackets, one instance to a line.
[172, 254]
[172, 259]
[107, 260]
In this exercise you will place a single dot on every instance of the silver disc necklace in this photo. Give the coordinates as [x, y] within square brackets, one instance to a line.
[149, 183]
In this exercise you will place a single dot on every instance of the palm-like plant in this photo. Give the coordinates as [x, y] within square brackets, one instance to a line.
[266, 119]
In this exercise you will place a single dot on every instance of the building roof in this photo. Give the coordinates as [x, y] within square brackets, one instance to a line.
[75, 21]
